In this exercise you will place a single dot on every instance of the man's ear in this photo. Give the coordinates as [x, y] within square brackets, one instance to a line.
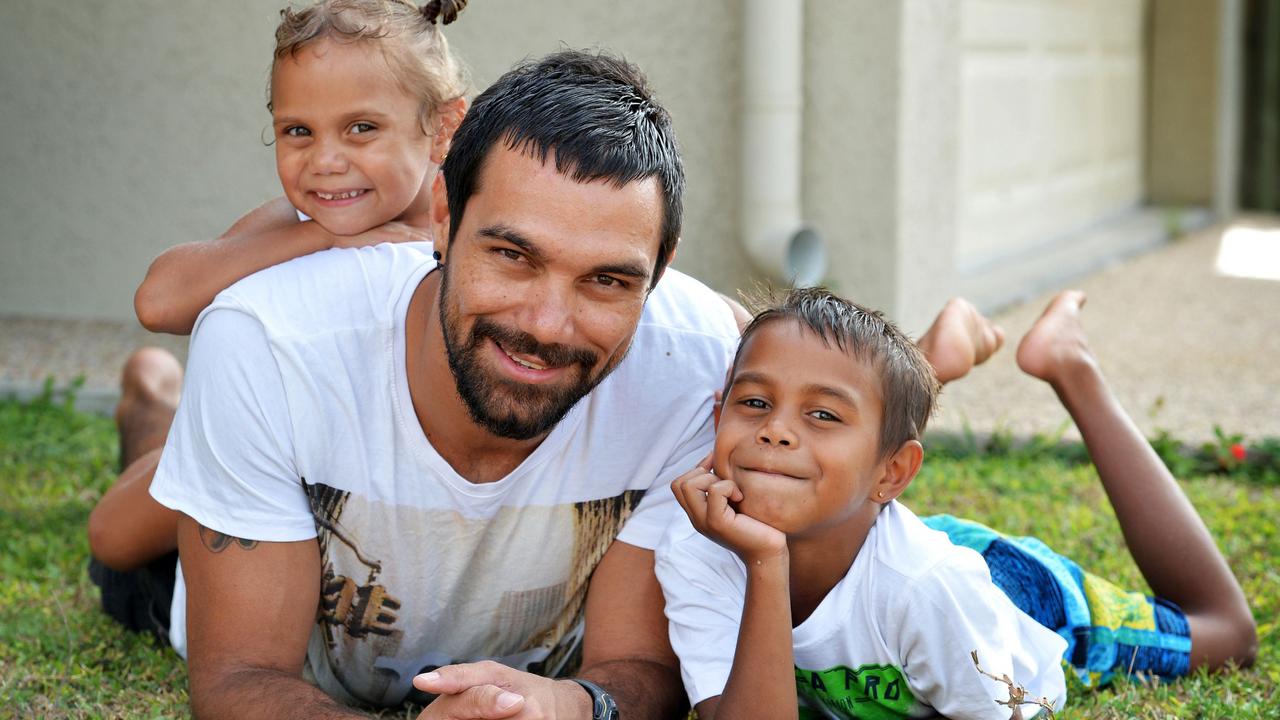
[447, 119]
[899, 470]
[670, 259]
[440, 215]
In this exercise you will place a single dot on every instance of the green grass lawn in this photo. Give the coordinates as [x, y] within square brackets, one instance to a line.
[60, 657]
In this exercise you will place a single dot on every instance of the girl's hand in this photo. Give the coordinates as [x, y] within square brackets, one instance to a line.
[392, 232]
[706, 500]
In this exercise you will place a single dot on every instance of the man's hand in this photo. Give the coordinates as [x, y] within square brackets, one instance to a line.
[706, 500]
[392, 232]
[492, 691]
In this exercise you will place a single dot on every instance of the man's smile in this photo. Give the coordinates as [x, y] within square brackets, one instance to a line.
[529, 368]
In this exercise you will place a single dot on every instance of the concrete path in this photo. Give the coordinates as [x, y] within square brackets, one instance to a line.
[1184, 348]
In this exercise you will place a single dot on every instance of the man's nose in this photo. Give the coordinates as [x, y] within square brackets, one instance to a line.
[550, 314]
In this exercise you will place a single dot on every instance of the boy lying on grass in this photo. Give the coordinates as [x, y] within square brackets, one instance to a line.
[800, 584]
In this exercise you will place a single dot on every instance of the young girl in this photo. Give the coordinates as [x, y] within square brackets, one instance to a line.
[365, 96]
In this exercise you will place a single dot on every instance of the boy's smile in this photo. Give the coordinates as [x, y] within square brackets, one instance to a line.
[799, 431]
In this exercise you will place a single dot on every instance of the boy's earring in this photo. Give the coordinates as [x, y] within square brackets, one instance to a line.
[880, 494]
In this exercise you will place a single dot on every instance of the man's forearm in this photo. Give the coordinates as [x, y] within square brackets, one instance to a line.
[643, 689]
[258, 693]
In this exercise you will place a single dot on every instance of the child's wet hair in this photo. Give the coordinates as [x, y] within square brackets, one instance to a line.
[907, 384]
[409, 36]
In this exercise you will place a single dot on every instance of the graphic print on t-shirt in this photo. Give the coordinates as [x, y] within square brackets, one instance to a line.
[345, 603]
[405, 595]
[872, 692]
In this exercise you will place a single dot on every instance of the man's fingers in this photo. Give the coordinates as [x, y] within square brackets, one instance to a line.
[482, 702]
[453, 679]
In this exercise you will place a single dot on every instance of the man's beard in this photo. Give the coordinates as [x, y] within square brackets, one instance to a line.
[504, 407]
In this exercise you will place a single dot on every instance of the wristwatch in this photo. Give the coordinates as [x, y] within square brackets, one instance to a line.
[602, 705]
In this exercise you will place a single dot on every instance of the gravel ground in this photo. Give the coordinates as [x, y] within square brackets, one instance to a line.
[33, 349]
[1183, 347]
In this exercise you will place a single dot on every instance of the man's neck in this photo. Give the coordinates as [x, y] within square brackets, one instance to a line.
[473, 452]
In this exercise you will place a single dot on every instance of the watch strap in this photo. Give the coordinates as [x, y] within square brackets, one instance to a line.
[602, 705]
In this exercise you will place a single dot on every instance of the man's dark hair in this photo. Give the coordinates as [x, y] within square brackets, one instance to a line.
[907, 384]
[594, 111]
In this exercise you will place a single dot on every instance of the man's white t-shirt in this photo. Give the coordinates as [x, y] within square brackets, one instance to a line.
[891, 639]
[296, 422]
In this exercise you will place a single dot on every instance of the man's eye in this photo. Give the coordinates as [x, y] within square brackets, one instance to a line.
[362, 127]
[509, 254]
[297, 131]
[610, 281]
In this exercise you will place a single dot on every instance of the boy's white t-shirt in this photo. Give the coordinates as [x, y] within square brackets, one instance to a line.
[891, 639]
[296, 421]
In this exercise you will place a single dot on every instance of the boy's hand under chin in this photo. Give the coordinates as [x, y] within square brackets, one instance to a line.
[706, 500]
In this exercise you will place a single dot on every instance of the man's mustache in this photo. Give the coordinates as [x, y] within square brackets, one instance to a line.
[516, 341]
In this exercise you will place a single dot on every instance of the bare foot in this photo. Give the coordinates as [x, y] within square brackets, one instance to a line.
[150, 385]
[1056, 344]
[959, 339]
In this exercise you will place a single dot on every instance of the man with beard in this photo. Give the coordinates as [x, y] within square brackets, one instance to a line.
[439, 453]
[399, 464]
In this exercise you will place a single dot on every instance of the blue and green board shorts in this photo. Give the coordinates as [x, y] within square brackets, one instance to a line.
[1108, 630]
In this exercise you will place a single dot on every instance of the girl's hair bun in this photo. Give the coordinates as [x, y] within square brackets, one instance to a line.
[446, 11]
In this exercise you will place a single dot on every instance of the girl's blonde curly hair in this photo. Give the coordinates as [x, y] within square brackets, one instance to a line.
[409, 37]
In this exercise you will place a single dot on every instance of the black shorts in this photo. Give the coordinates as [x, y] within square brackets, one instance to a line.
[138, 599]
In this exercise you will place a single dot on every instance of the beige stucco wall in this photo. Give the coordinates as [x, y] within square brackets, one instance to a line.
[850, 135]
[1183, 101]
[134, 125]
[131, 125]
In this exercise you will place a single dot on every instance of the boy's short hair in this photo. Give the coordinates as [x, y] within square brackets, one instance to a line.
[907, 384]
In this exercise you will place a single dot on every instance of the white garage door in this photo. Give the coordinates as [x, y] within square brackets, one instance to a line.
[1051, 121]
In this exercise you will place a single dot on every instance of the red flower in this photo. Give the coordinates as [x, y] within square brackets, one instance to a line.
[1238, 451]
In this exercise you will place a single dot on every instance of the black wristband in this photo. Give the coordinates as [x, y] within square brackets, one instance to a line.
[602, 705]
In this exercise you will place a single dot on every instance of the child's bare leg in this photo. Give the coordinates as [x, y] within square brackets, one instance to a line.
[959, 339]
[1169, 542]
[128, 529]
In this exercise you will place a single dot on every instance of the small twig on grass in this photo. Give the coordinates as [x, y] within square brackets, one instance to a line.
[1017, 693]
[71, 643]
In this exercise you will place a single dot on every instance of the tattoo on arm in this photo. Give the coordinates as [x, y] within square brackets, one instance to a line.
[216, 542]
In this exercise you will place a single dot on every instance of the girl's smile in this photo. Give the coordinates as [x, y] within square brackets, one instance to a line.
[351, 151]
